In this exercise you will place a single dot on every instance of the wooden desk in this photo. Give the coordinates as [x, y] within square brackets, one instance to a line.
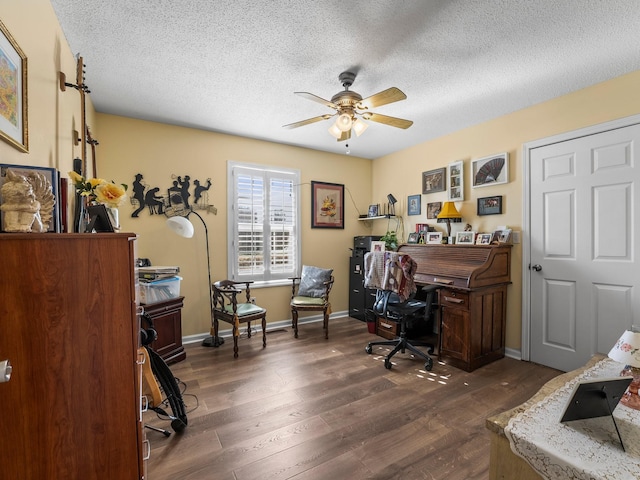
[473, 299]
[167, 320]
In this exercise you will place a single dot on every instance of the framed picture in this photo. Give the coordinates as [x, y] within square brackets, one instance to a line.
[455, 175]
[434, 180]
[413, 205]
[378, 246]
[13, 94]
[483, 239]
[373, 211]
[50, 174]
[490, 205]
[465, 238]
[501, 236]
[433, 209]
[434, 237]
[492, 170]
[327, 205]
[414, 237]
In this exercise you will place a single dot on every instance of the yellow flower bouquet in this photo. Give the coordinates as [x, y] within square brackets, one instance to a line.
[99, 190]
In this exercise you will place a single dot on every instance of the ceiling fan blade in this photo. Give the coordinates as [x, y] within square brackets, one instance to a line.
[389, 95]
[308, 121]
[345, 136]
[315, 98]
[391, 121]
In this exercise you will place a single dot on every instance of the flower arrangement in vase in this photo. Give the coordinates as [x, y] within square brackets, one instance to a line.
[97, 191]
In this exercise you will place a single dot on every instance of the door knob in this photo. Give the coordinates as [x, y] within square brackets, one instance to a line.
[536, 267]
[5, 371]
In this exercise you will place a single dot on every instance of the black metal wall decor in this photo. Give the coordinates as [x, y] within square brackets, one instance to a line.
[177, 199]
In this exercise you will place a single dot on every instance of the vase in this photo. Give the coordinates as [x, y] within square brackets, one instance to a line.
[81, 215]
[114, 216]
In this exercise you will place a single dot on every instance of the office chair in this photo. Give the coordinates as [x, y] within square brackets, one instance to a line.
[392, 275]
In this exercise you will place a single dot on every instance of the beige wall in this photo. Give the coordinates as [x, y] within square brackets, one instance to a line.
[53, 114]
[158, 152]
[600, 103]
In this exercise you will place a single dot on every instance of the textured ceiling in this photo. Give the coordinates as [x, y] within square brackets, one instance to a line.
[233, 67]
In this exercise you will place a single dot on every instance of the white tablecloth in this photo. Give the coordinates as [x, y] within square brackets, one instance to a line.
[582, 449]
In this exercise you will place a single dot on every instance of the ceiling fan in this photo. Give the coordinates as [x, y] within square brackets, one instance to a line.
[351, 109]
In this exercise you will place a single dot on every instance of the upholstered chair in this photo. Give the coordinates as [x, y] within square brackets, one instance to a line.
[310, 292]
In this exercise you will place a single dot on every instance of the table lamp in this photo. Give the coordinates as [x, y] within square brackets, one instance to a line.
[627, 351]
[449, 213]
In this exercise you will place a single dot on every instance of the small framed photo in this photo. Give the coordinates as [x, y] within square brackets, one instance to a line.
[414, 237]
[414, 206]
[505, 236]
[455, 175]
[378, 246]
[434, 180]
[465, 238]
[490, 205]
[493, 170]
[434, 237]
[483, 239]
[433, 209]
[373, 211]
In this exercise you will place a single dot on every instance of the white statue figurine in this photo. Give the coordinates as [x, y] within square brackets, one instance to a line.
[23, 198]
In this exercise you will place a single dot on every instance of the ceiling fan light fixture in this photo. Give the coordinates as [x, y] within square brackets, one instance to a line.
[359, 126]
[344, 122]
[335, 131]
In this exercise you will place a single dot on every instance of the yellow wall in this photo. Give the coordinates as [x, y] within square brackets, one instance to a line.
[158, 152]
[401, 173]
[52, 114]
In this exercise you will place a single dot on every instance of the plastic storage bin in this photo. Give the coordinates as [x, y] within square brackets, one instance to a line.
[159, 290]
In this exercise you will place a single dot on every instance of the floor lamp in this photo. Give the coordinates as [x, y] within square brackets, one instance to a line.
[183, 227]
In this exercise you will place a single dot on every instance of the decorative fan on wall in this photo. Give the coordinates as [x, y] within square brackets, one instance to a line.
[490, 171]
[351, 109]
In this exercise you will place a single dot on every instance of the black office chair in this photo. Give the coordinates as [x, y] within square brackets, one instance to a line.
[389, 305]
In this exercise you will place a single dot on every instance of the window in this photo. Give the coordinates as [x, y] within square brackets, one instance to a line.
[264, 222]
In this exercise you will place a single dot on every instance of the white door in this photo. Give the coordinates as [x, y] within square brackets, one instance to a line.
[584, 274]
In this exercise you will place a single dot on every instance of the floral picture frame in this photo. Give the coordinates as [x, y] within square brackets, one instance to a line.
[492, 170]
[327, 205]
[434, 180]
[455, 180]
[13, 115]
[413, 204]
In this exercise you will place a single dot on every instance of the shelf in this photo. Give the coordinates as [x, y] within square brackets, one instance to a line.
[379, 217]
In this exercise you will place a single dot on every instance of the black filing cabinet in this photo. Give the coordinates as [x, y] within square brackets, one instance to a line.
[360, 298]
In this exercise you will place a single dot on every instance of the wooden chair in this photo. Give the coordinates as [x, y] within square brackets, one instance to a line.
[227, 308]
[306, 304]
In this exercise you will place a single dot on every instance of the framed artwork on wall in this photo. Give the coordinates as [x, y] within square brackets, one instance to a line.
[433, 209]
[490, 205]
[13, 94]
[493, 170]
[455, 176]
[327, 205]
[413, 205]
[434, 180]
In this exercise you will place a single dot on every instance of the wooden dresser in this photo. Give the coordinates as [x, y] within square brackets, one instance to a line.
[167, 320]
[69, 326]
[473, 298]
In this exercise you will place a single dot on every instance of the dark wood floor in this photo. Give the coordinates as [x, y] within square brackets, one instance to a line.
[313, 409]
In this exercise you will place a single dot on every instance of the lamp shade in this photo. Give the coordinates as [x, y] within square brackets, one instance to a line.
[181, 225]
[359, 126]
[344, 122]
[335, 131]
[392, 199]
[627, 349]
[449, 212]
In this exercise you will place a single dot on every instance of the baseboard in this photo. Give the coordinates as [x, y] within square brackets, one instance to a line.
[271, 326]
[512, 353]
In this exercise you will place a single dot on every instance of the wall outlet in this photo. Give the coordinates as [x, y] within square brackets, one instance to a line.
[516, 237]
[253, 300]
